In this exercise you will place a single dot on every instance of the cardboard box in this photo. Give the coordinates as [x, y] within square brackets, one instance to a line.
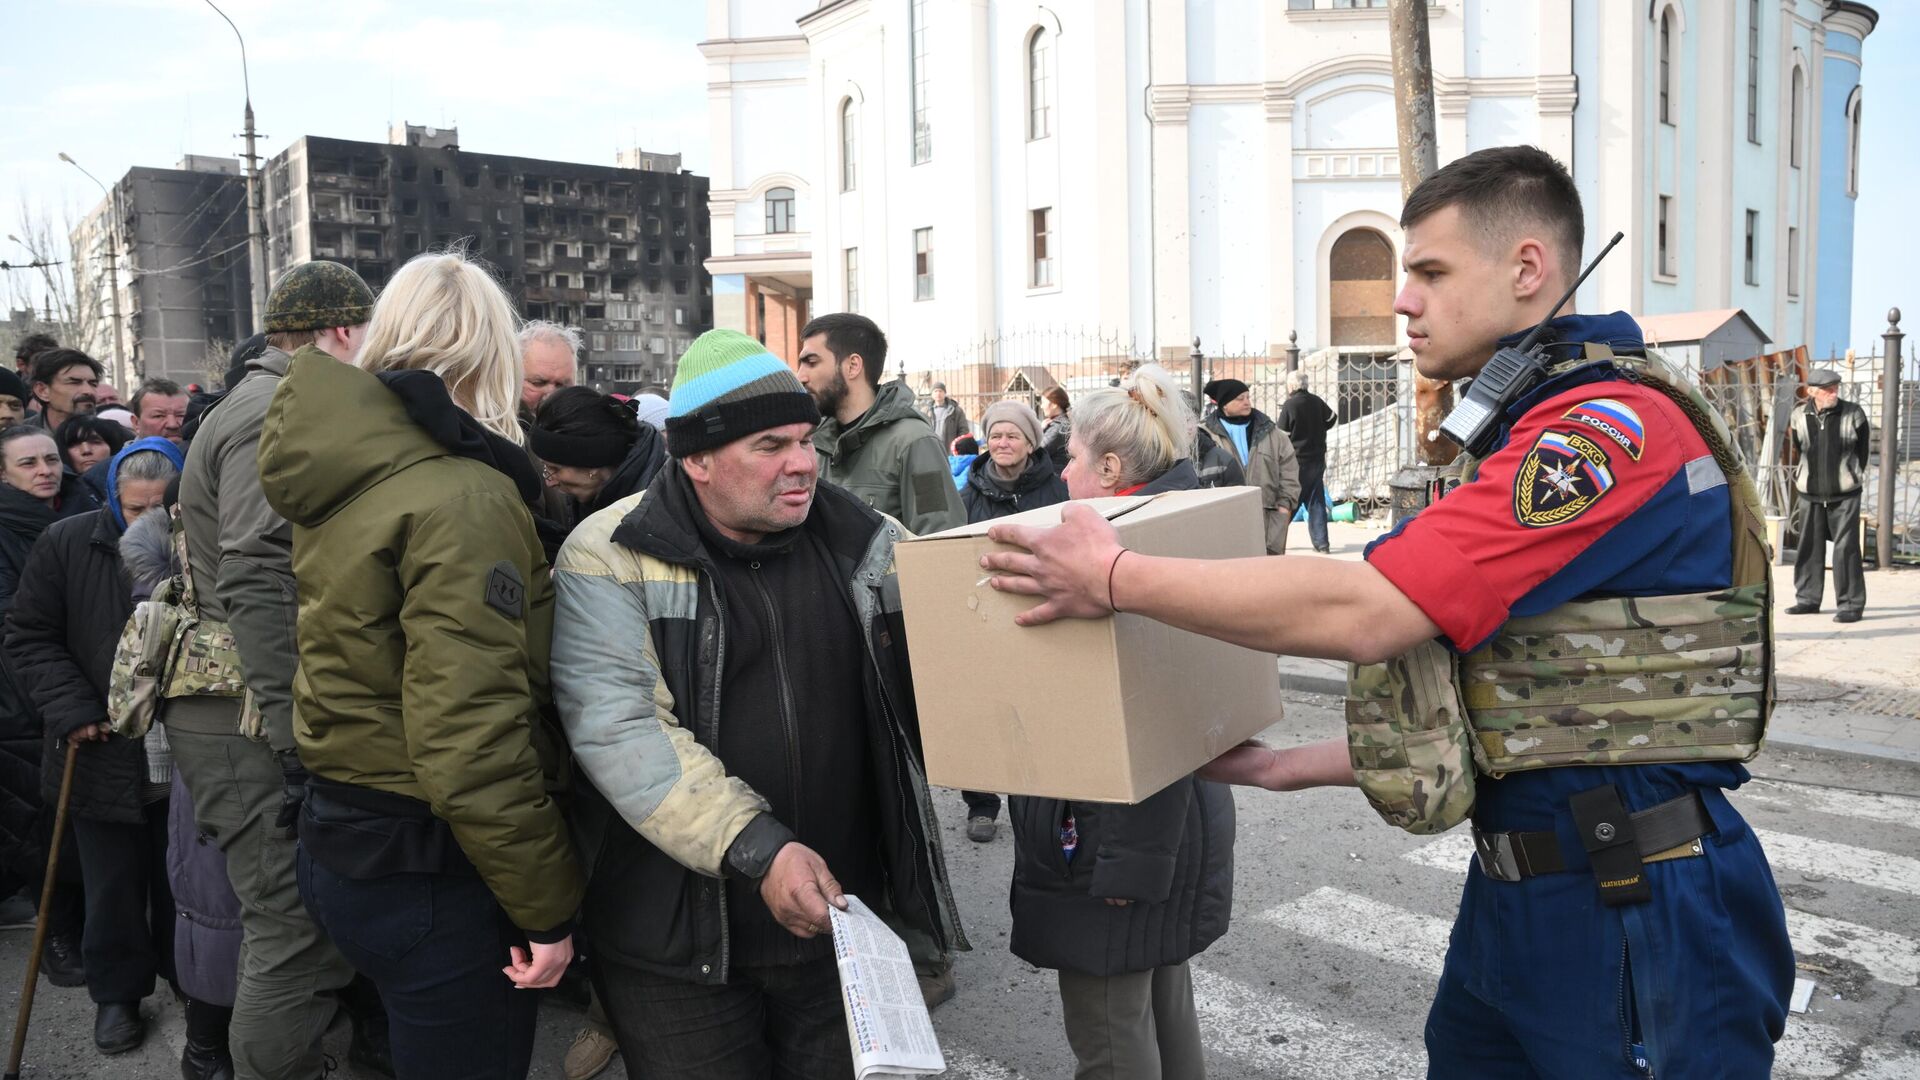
[1107, 710]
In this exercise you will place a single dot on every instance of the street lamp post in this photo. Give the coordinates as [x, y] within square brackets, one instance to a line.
[113, 268]
[256, 235]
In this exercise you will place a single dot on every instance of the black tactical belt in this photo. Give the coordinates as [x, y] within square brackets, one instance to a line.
[1671, 830]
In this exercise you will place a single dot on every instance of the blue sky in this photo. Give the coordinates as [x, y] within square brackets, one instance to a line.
[118, 83]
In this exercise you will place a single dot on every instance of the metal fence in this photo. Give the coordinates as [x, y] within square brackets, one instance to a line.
[1756, 398]
[1372, 395]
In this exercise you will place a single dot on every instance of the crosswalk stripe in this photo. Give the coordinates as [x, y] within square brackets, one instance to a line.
[1369, 926]
[1419, 942]
[1885, 809]
[1889, 957]
[1826, 858]
[1244, 1024]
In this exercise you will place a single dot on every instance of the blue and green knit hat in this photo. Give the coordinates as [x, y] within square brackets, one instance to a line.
[729, 386]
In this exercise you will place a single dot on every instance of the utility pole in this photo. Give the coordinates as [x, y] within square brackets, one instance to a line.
[1419, 159]
[120, 371]
[1889, 436]
[256, 235]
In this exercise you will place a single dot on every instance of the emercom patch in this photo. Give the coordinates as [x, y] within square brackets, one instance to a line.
[506, 591]
[1561, 477]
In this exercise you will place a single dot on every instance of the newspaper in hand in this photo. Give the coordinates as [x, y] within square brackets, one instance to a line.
[887, 1019]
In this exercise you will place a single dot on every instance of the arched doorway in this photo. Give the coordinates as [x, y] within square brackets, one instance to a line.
[1360, 293]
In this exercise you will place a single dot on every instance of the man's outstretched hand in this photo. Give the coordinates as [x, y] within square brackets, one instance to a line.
[797, 889]
[1068, 565]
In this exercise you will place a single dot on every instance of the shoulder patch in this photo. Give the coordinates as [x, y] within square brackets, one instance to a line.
[1614, 420]
[506, 590]
[1562, 476]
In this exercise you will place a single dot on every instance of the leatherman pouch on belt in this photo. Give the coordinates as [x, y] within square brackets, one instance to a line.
[1408, 739]
[1613, 852]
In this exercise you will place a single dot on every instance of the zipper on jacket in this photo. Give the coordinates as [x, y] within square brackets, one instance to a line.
[719, 671]
[789, 725]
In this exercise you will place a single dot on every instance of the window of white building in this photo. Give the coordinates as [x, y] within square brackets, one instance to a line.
[1753, 71]
[1796, 118]
[849, 155]
[1041, 274]
[1666, 66]
[1039, 84]
[923, 264]
[1793, 261]
[1753, 247]
[1853, 143]
[917, 72]
[780, 210]
[1663, 239]
[1360, 293]
[852, 261]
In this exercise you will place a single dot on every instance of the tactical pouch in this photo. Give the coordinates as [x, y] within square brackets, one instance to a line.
[1408, 739]
[141, 662]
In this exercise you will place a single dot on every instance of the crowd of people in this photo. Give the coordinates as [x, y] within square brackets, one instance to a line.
[487, 688]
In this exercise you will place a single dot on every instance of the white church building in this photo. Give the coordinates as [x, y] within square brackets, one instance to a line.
[1227, 169]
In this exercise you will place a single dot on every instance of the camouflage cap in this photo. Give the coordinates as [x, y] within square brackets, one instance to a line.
[317, 295]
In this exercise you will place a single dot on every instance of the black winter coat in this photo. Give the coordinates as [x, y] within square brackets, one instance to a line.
[72, 604]
[988, 497]
[1171, 856]
[22, 519]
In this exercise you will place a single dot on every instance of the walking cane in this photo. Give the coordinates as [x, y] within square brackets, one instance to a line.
[40, 921]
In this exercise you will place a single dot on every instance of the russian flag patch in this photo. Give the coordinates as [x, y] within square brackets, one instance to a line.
[1613, 419]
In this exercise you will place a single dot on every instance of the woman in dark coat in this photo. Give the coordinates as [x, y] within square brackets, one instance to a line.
[1059, 426]
[1119, 898]
[72, 604]
[35, 492]
[1015, 473]
[594, 449]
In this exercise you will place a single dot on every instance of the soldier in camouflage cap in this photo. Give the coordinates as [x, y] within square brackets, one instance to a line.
[318, 295]
[1573, 647]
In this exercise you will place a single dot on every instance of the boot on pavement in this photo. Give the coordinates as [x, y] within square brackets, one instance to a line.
[118, 1027]
[206, 1057]
[60, 961]
[592, 1051]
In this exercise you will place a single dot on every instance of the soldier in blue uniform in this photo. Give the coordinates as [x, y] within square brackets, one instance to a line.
[1573, 647]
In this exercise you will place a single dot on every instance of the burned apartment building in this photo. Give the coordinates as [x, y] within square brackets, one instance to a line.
[180, 240]
[617, 251]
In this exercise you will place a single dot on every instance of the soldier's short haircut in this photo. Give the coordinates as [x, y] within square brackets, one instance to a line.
[154, 387]
[288, 341]
[848, 333]
[1504, 193]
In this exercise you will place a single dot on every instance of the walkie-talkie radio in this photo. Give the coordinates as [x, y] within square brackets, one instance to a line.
[1513, 371]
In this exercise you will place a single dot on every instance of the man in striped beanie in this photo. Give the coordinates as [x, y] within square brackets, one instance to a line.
[731, 672]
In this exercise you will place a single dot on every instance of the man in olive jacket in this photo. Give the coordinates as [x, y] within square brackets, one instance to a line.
[241, 553]
[873, 442]
[731, 669]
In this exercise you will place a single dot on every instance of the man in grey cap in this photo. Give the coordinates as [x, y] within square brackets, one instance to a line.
[1831, 437]
[237, 753]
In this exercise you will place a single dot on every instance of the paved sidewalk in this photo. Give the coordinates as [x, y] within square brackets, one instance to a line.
[1852, 688]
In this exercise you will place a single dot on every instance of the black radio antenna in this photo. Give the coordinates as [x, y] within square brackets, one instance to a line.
[1533, 335]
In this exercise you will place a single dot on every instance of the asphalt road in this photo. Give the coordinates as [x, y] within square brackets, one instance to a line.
[1339, 921]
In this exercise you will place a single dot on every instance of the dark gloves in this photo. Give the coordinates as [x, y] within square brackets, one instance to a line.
[294, 776]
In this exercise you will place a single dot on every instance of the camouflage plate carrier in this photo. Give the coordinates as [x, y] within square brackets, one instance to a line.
[169, 650]
[1622, 680]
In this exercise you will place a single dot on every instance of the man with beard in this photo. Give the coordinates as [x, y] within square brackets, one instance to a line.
[727, 821]
[873, 442]
[65, 382]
